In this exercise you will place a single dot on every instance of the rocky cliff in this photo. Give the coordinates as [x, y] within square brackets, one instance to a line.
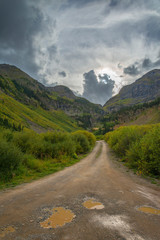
[145, 89]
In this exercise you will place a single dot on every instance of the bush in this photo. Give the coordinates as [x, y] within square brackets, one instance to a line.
[82, 143]
[90, 136]
[123, 138]
[10, 159]
[25, 140]
[58, 144]
[32, 163]
[23, 151]
[139, 146]
[150, 152]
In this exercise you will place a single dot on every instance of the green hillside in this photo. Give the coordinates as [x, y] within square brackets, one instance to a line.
[14, 114]
[47, 107]
[146, 113]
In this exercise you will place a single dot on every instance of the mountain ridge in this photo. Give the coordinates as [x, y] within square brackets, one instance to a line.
[144, 89]
[23, 88]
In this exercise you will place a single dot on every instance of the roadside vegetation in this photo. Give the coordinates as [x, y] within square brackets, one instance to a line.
[138, 147]
[27, 155]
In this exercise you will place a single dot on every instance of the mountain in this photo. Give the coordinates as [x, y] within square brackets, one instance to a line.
[140, 114]
[58, 104]
[145, 89]
[62, 91]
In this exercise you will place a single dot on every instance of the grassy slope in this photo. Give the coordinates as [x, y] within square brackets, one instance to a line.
[146, 116]
[34, 118]
[44, 100]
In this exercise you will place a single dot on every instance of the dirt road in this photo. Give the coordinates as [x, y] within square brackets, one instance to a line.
[113, 196]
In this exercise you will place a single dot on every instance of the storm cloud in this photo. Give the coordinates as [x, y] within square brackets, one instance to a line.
[97, 89]
[63, 74]
[131, 70]
[45, 38]
[19, 23]
[140, 66]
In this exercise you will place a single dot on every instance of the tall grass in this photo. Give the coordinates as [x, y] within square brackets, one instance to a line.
[26, 152]
[138, 146]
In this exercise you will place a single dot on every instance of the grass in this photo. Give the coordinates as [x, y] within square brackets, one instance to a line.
[99, 151]
[27, 155]
[49, 167]
[18, 113]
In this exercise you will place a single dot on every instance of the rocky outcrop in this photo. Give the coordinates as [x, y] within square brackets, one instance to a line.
[145, 89]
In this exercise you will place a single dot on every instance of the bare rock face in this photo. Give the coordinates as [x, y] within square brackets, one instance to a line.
[145, 89]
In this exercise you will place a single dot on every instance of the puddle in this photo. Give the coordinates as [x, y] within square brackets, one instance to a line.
[60, 217]
[92, 204]
[6, 231]
[149, 210]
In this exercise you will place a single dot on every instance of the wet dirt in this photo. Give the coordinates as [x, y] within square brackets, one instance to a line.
[60, 217]
[6, 230]
[150, 210]
[92, 204]
[102, 179]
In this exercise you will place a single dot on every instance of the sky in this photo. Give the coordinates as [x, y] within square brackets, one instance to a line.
[92, 46]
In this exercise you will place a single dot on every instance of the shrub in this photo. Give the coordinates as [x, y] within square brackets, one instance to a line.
[32, 163]
[123, 138]
[90, 136]
[10, 159]
[55, 137]
[24, 140]
[7, 134]
[58, 144]
[82, 143]
[139, 146]
[20, 151]
[150, 152]
[133, 155]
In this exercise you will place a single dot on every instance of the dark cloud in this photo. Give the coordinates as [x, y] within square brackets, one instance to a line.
[113, 3]
[44, 37]
[81, 3]
[153, 27]
[19, 23]
[97, 91]
[131, 70]
[147, 63]
[140, 66]
[157, 63]
[62, 74]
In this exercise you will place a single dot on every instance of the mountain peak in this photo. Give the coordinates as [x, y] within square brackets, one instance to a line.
[63, 91]
[144, 89]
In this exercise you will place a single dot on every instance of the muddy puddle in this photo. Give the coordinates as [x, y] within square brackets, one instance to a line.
[6, 230]
[92, 204]
[60, 217]
[150, 210]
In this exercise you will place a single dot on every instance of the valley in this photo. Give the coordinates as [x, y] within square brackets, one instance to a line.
[46, 130]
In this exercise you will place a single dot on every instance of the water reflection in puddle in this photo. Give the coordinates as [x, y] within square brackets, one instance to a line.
[60, 217]
[92, 204]
[6, 231]
[149, 210]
